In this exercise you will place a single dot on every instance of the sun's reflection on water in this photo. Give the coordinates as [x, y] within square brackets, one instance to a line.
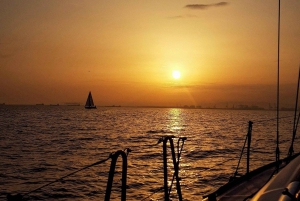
[175, 120]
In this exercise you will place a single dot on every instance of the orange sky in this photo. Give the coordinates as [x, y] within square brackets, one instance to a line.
[125, 51]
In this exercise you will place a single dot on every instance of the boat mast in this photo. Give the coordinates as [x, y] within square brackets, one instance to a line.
[277, 135]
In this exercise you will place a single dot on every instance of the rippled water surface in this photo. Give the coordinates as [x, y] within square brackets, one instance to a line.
[40, 144]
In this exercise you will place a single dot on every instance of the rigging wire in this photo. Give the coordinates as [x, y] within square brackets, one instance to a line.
[295, 125]
[237, 167]
[278, 68]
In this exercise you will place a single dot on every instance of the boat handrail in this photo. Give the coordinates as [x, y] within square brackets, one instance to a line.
[175, 164]
[114, 158]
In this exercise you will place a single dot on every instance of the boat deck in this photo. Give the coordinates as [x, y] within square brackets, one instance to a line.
[247, 186]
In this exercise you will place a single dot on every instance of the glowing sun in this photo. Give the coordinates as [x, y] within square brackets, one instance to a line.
[176, 74]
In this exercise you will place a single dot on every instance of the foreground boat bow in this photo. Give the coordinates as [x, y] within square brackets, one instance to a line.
[283, 186]
[264, 183]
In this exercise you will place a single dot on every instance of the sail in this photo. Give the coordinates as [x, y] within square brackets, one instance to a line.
[89, 102]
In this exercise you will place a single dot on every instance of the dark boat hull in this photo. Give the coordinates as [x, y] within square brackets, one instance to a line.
[90, 107]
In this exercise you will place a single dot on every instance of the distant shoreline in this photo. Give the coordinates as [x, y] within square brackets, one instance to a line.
[175, 107]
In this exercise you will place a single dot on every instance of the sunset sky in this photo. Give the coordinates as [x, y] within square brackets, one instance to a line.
[125, 51]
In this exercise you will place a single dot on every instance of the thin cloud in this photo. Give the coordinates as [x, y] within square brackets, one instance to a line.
[182, 16]
[190, 86]
[176, 17]
[205, 6]
[225, 87]
[221, 4]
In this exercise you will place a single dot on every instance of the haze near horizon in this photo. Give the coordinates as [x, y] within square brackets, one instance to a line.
[125, 52]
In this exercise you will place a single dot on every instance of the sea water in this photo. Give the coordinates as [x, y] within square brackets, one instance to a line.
[41, 144]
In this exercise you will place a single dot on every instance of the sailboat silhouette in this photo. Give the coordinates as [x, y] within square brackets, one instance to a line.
[89, 102]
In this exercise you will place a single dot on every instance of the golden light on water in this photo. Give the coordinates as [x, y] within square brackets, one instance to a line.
[174, 116]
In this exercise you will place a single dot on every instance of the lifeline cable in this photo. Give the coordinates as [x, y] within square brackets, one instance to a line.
[258, 121]
[61, 179]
